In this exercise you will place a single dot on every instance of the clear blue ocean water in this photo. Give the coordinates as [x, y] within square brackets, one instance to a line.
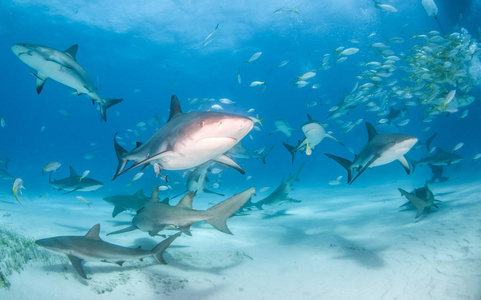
[144, 52]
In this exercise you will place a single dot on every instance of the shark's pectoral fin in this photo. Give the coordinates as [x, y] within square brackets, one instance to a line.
[117, 210]
[365, 168]
[130, 228]
[186, 229]
[225, 160]
[120, 262]
[156, 230]
[405, 164]
[40, 81]
[77, 264]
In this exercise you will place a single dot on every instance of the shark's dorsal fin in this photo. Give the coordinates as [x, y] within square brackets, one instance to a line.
[155, 195]
[370, 131]
[186, 202]
[94, 232]
[175, 108]
[139, 193]
[72, 51]
[73, 173]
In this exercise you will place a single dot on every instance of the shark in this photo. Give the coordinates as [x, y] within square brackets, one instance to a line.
[279, 195]
[132, 202]
[421, 198]
[75, 183]
[284, 127]
[4, 174]
[155, 216]
[197, 179]
[440, 158]
[188, 140]
[314, 133]
[240, 152]
[91, 247]
[61, 66]
[380, 149]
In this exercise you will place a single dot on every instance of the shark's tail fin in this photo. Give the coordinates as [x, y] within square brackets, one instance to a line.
[106, 103]
[428, 142]
[264, 153]
[120, 156]
[345, 163]
[218, 214]
[291, 149]
[160, 248]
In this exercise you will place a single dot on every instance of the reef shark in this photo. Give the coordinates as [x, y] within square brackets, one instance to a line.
[75, 183]
[155, 216]
[440, 158]
[240, 152]
[62, 67]
[314, 133]
[92, 248]
[188, 140]
[380, 149]
[421, 198]
[127, 202]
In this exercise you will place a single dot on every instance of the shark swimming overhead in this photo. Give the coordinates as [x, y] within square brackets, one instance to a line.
[380, 149]
[155, 215]
[62, 67]
[75, 183]
[92, 248]
[188, 140]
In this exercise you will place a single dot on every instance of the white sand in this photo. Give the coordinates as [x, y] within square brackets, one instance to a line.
[339, 243]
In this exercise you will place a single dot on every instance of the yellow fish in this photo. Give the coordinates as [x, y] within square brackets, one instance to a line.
[17, 188]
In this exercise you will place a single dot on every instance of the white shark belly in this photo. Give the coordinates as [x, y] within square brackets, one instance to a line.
[390, 156]
[189, 155]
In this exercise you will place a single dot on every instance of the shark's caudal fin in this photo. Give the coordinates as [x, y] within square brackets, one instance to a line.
[106, 103]
[427, 143]
[160, 248]
[291, 149]
[345, 163]
[120, 156]
[263, 154]
[218, 214]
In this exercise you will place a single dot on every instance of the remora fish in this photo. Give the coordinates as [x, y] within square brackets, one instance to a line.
[92, 248]
[74, 183]
[421, 198]
[380, 149]
[314, 133]
[156, 215]
[440, 158]
[62, 67]
[127, 202]
[240, 152]
[188, 140]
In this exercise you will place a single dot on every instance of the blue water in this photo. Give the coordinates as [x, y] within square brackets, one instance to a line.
[144, 52]
[157, 49]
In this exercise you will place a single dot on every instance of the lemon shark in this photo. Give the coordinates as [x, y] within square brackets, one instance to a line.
[75, 183]
[380, 149]
[155, 215]
[421, 198]
[62, 67]
[314, 133]
[91, 247]
[187, 140]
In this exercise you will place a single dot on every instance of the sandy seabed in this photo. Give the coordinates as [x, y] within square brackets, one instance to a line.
[338, 243]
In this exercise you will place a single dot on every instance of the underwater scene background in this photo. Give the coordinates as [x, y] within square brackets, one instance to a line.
[402, 66]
